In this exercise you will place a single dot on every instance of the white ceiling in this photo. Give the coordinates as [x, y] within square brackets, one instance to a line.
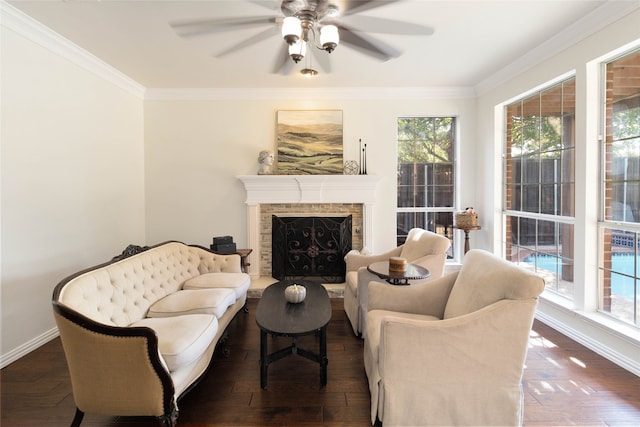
[472, 41]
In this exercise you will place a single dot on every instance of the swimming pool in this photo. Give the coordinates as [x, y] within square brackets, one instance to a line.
[623, 266]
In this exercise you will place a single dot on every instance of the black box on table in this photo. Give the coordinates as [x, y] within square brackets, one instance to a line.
[222, 240]
[226, 248]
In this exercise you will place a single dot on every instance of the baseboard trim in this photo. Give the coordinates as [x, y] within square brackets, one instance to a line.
[594, 345]
[28, 347]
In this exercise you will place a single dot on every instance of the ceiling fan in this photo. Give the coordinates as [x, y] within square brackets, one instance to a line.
[321, 24]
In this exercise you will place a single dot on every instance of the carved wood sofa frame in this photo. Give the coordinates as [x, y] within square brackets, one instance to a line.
[118, 340]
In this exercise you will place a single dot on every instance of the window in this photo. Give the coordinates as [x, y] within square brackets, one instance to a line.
[620, 229]
[539, 184]
[426, 190]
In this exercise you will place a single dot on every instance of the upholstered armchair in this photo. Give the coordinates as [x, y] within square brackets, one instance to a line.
[422, 247]
[451, 352]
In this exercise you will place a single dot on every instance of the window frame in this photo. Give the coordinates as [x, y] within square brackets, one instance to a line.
[514, 212]
[429, 211]
[608, 226]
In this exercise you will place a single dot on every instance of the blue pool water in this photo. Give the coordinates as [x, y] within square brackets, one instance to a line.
[623, 266]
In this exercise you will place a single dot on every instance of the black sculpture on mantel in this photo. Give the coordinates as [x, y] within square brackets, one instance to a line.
[363, 158]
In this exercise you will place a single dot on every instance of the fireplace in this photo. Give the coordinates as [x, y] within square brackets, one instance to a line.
[312, 248]
[305, 196]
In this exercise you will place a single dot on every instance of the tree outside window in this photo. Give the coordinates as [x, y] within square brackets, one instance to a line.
[426, 187]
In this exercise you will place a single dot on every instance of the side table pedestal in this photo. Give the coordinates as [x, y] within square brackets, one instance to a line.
[466, 235]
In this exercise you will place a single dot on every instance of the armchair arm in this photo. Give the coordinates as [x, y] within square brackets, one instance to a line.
[114, 370]
[475, 360]
[429, 298]
[356, 260]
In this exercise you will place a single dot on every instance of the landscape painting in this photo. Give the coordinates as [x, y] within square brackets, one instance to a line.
[309, 142]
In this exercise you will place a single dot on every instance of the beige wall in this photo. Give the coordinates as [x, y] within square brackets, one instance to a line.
[72, 181]
[195, 149]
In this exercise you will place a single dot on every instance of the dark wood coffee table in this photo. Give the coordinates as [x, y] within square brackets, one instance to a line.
[413, 272]
[276, 316]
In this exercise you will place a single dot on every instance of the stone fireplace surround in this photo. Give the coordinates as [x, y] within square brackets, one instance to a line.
[305, 195]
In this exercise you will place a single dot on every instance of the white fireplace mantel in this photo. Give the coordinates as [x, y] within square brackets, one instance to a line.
[307, 189]
[310, 188]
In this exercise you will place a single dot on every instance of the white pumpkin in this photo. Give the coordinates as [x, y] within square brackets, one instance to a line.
[295, 293]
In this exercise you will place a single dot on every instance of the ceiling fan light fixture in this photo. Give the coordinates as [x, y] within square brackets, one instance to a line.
[291, 29]
[308, 72]
[316, 23]
[329, 37]
[298, 50]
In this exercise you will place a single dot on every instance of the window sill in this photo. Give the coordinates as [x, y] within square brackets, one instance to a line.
[451, 266]
[557, 299]
[613, 326]
[598, 319]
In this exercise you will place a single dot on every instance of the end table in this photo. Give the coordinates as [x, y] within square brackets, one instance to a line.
[466, 235]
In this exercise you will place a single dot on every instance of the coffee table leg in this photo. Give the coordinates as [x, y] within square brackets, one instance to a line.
[263, 359]
[323, 356]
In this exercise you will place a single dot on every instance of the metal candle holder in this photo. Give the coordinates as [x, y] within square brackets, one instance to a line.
[363, 158]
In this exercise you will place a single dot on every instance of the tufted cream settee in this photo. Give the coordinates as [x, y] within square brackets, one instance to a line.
[139, 331]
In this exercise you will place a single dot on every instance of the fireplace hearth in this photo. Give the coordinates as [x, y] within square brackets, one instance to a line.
[310, 248]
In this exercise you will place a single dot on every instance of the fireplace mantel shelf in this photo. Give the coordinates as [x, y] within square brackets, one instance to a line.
[310, 188]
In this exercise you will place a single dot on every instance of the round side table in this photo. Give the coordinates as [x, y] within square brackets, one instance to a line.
[413, 272]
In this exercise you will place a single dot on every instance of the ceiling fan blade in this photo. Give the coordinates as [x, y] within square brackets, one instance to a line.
[349, 7]
[207, 26]
[372, 24]
[248, 42]
[368, 45]
[283, 64]
[267, 4]
[289, 7]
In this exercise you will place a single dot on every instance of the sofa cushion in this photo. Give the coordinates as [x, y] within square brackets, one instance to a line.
[194, 301]
[239, 282]
[485, 279]
[182, 339]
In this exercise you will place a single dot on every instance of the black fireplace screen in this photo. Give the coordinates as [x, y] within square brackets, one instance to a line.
[304, 247]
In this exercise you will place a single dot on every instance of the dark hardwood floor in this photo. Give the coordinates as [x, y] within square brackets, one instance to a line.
[564, 383]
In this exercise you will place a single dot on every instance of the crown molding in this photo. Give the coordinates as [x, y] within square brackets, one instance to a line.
[213, 94]
[22, 24]
[590, 24]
